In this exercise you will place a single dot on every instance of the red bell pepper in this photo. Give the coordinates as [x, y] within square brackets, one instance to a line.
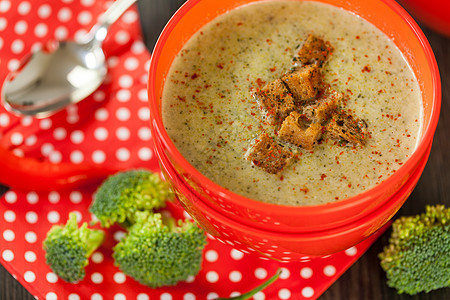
[31, 174]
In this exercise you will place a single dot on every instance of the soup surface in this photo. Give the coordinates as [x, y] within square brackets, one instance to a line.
[210, 114]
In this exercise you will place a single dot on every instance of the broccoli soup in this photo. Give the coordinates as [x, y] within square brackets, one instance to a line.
[292, 103]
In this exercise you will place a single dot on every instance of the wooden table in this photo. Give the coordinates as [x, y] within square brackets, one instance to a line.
[365, 279]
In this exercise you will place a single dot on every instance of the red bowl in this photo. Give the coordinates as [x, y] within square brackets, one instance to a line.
[391, 19]
[285, 246]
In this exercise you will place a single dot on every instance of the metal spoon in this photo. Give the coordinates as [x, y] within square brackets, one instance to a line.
[50, 79]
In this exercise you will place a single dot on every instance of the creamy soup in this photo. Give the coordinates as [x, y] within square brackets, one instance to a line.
[210, 114]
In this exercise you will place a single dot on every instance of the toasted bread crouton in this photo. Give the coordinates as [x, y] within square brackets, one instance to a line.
[345, 127]
[267, 154]
[322, 109]
[314, 50]
[299, 132]
[275, 100]
[304, 83]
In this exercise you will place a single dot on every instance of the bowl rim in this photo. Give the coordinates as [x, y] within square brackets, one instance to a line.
[428, 128]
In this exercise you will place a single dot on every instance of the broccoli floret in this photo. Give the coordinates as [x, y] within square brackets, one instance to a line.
[417, 258]
[122, 194]
[158, 251]
[68, 248]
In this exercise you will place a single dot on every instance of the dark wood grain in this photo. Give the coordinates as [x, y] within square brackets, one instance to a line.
[365, 279]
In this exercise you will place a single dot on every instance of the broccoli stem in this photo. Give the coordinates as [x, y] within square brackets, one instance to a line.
[259, 288]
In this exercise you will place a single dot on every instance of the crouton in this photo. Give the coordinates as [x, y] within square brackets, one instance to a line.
[344, 127]
[275, 100]
[299, 131]
[323, 108]
[267, 154]
[304, 83]
[313, 51]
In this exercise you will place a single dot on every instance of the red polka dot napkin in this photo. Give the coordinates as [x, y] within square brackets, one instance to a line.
[110, 129]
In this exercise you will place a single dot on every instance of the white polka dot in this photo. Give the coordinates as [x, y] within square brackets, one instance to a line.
[236, 254]
[75, 197]
[11, 197]
[8, 255]
[31, 140]
[21, 27]
[18, 152]
[5, 5]
[16, 138]
[74, 297]
[113, 61]
[119, 277]
[51, 277]
[120, 297]
[131, 63]
[122, 37]
[285, 273]
[53, 197]
[30, 256]
[53, 217]
[144, 114]
[123, 95]
[31, 237]
[123, 133]
[99, 96]
[13, 64]
[76, 156]
[3, 23]
[143, 297]
[123, 154]
[123, 114]
[96, 296]
[329, 270]
[188, 296]
[212, 276]
[307, 292]
[59, 133]
[101, 133]
[125, 81]
[51, 296]
[17, 46]
[211, 255]
[284, 294]
[77, 137]
[235, 276]
[24, 8]
[29, 276]
[64, 14]
[145, 133]
[97, 257]
[166, 296]
[4, 120]
[145, 154]
[101, 114]
[45, 124]
[98, 156]
[44, 11]
[55, 157]
[32, 198]
[40, 30]
[119, 235]
[142, 95]
[260, 273]
[351, 251]
[84, 17]
[8, 235]
[26, 121]
[306, 273]
[130, 16]
[138, 47]
[61, 33]
[46, 149]
[31, 217]
[9, 216]
[97, 278]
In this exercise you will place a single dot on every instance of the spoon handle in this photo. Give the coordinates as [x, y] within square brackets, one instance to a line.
[98, 33]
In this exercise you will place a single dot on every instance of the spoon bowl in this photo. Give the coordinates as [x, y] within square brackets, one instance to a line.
[61, 73]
